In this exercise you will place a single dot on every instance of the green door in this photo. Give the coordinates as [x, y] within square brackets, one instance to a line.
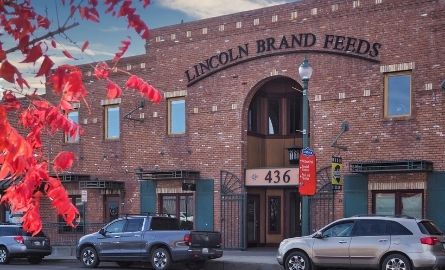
[435, 199]
[148, 197]
[204, 205]
[355, 201]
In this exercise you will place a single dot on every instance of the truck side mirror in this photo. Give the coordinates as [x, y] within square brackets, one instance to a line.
[318, 235]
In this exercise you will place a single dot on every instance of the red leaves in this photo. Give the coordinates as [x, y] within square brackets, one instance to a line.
[59, 199]
[10, 102]
[67, 54]
[101, 71]
[64, 160]
[122, 49]
[7, 71]
[2, 53]
[46, 66]
[90, 14]
[34, 54]
[147, 90]
[43, 22]
[113, 90]
[67, 82]
[85, 46]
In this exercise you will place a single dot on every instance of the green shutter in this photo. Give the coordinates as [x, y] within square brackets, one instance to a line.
[148, 197]
[435, 199]
[355, 201]
[204, 205]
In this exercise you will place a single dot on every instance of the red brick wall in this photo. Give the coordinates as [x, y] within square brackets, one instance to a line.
[409, 31]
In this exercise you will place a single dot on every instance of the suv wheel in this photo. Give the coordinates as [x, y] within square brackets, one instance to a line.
[297, 260]
[4, 256]
[88, 256]
[35, 260]
[160, 259]
[396, 261]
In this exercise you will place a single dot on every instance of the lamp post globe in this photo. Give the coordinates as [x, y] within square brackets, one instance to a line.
[305, 70]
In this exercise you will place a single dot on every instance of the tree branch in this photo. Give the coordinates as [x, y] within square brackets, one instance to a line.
[50, 34]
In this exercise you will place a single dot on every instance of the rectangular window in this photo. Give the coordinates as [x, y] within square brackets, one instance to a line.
[239, 24]
[293, 15]
[294, 115]
[273, 116]
[397, 95]
[176, 116]
[74, 117]
[112, 122]
[274, 215]
[408, 203]
[256, 21]
[180, 206]
[63, 227]
[275, 18]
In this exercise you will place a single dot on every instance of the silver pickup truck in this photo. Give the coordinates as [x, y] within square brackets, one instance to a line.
[156, 239]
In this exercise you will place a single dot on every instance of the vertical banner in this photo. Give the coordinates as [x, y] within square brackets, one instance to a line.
[308, 172]
[337, 178]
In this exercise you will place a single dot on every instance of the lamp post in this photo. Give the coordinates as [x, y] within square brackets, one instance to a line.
[305, 71]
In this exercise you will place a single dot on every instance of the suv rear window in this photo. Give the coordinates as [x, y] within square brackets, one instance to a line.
[427, 227]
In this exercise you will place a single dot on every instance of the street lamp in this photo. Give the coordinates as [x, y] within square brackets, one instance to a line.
[305, 71]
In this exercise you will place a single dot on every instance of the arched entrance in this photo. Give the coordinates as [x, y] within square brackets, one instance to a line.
[273, 125]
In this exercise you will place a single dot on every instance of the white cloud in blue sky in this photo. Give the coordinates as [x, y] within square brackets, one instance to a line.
[200, 9]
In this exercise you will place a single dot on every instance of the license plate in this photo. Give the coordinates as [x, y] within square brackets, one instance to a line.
[205, 251]
[37, 243]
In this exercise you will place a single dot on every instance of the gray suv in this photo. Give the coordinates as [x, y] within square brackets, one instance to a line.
[377, 242]
[16, 243]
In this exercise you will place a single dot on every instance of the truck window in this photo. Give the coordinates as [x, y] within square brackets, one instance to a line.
[134, 225]
[164, 224]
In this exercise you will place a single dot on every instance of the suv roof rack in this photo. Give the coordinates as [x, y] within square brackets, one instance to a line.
[151, 214]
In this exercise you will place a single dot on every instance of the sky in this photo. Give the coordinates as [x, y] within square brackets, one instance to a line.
[105, 37]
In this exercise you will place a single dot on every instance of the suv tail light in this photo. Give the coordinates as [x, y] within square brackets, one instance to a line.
[19, 239]
[188, 239]
[429, 240]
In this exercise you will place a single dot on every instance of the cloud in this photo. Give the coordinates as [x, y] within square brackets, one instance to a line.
[113, 29]
[201, 9]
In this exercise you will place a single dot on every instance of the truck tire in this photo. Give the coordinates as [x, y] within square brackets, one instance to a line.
[88, 257]
[160, 258]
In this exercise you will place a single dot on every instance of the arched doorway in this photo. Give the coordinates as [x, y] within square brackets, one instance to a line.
[274, 124]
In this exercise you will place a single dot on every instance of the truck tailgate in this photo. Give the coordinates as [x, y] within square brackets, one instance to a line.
[204, 239]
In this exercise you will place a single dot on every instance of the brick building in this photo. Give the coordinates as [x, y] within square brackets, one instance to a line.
[232, 108]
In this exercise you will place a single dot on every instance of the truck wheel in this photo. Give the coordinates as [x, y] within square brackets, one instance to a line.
[88, 256]
[4, 255]
[160, 259]
[297, 260]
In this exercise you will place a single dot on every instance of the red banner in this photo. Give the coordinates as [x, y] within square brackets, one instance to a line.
[308, 173]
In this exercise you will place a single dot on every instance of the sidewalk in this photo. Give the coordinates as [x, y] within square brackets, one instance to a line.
[250, 259]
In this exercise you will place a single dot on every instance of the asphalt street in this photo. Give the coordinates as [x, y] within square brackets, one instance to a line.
[67, 264]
